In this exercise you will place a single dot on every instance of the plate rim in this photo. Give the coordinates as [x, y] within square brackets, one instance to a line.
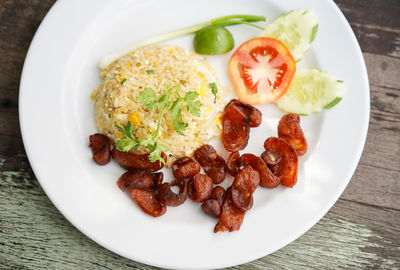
[28, 149]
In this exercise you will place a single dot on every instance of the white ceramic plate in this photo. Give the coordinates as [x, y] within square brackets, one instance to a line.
[57, 117]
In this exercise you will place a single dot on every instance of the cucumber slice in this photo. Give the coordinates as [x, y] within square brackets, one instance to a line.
[311, 91]
[296, 29]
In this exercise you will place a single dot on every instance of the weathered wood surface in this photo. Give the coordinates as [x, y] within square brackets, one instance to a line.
[362, 230]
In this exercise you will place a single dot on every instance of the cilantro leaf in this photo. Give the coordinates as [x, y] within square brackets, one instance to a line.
[155, 154]
[176, 114]
[192, 105]
[127, 130]
[214, 90]
[162, 147]
[148, 142]
[191, 95]
[151, 101]
[164, 100]
[148, 98]
[126, 144]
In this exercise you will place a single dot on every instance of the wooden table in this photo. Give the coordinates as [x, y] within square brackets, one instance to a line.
[362, 230]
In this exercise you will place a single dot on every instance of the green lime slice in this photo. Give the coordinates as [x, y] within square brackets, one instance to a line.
[213, 40]
[311, 91]
[296, 29]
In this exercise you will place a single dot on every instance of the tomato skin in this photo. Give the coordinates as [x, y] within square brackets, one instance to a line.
[245, 58]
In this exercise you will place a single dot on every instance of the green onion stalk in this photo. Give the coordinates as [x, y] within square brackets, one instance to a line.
[220, 21]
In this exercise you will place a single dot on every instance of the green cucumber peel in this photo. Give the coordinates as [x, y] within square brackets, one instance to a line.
[333, 103]
[314, 33]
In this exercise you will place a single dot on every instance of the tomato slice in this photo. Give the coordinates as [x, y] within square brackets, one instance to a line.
[261, 70]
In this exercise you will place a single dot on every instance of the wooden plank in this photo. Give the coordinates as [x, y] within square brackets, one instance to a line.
[374, 186]
[9, 120]
[349, 228]
[374, 21]
[370, 38]
[383, 71]
[352, 235]
[376, 180]
[377, 12]
[18, 23]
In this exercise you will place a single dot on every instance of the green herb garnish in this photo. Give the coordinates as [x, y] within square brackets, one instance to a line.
[214, 90]
[180, 124]
[150, 101]
[192, 105]
[170, 99]
[127, 130]
[149, 71]
[211, 36]
[148, 98]
[150, 142]
[128, 142]
[124, 80]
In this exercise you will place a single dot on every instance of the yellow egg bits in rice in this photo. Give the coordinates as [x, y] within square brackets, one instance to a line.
[157, 67]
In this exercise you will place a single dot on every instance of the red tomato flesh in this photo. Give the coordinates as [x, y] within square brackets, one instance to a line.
[261, 70]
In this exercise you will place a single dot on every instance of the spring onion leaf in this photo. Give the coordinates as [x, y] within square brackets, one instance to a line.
[221, 21]
[149, 71]
[235, 22]
[247, 18]
[124, 80]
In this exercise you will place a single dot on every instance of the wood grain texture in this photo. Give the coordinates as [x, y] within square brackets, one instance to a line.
[361, 231]
[34, 235]
[376, 24]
